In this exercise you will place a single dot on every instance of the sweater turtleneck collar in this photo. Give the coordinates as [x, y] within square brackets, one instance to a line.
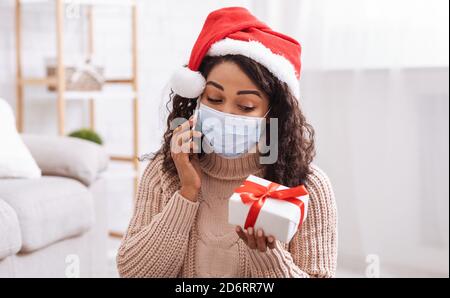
[231, 168]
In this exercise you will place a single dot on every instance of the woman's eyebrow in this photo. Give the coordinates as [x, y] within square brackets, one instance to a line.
[255, 92]
[217, 85]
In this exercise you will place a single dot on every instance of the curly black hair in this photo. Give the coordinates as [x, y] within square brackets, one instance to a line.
[295, 136]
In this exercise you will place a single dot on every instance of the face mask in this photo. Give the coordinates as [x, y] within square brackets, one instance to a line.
[229, 135]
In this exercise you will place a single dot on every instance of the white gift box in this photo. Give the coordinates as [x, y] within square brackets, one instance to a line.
[277, 217]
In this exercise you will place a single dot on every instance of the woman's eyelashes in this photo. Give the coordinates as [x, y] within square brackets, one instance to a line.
[246, 108]
[242, 107]
[214, 100]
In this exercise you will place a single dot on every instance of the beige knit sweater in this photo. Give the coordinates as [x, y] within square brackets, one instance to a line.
[170, 236]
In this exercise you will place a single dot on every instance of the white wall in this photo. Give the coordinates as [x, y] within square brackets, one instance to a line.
[384, 142]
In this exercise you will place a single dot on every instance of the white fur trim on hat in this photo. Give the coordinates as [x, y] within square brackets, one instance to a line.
[278, 65]
[187, 83]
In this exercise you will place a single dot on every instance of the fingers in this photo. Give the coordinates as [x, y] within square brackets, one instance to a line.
[186, 141]
[186, 136]
[256, 240]
[189, 147]
[183, 127]
[251, 240]
[261, 240]
[241, 233]
[176, 141]
[271, 242]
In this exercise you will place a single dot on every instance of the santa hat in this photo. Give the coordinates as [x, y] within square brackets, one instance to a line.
[233, 30]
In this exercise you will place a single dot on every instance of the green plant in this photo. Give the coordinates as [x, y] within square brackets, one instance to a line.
[87, 134]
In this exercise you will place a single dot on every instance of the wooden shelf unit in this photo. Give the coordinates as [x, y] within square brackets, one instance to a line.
[59, 80]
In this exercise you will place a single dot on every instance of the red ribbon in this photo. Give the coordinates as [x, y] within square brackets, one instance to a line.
[256, 194]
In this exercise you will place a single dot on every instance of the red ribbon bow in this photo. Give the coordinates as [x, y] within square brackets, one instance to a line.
[255, 194]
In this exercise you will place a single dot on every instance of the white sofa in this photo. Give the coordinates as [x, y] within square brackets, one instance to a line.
[56, 225]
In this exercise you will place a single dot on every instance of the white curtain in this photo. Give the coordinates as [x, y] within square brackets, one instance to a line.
[375, 87]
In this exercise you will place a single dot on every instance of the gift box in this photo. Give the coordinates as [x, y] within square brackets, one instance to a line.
[275, 208]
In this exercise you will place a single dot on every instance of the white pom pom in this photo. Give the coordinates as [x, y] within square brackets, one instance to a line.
[187, 83]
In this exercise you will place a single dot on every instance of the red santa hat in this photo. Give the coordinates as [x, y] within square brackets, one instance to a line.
[235, 31]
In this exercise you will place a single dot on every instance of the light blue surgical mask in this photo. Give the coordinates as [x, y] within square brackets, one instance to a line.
[229, 135]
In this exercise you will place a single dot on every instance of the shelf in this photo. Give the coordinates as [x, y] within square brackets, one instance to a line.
[87, 95]
[122, 158]
[107, 92]
[39, 81]
[86, 2]
[51, 81]
[118, 170]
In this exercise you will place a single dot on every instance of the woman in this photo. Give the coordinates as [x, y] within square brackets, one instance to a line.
[240, 70]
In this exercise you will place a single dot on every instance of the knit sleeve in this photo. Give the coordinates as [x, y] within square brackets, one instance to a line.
[312, 251]
[156, 240]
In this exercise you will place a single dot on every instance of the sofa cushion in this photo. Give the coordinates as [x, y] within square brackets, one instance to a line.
[15, 159]
[49, 209]
[67, 157]
[10, 238]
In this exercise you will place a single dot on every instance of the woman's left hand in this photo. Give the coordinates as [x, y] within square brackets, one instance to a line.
[256, 239]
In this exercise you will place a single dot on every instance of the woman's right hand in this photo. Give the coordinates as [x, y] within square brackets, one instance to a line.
[183, 145]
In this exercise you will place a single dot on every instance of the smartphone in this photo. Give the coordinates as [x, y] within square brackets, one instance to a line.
[197, 125]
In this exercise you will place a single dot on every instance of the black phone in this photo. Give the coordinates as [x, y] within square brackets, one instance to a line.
[196, 125]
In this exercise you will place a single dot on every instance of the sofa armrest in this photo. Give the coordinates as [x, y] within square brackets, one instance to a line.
[67, 157]
[10, 235]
